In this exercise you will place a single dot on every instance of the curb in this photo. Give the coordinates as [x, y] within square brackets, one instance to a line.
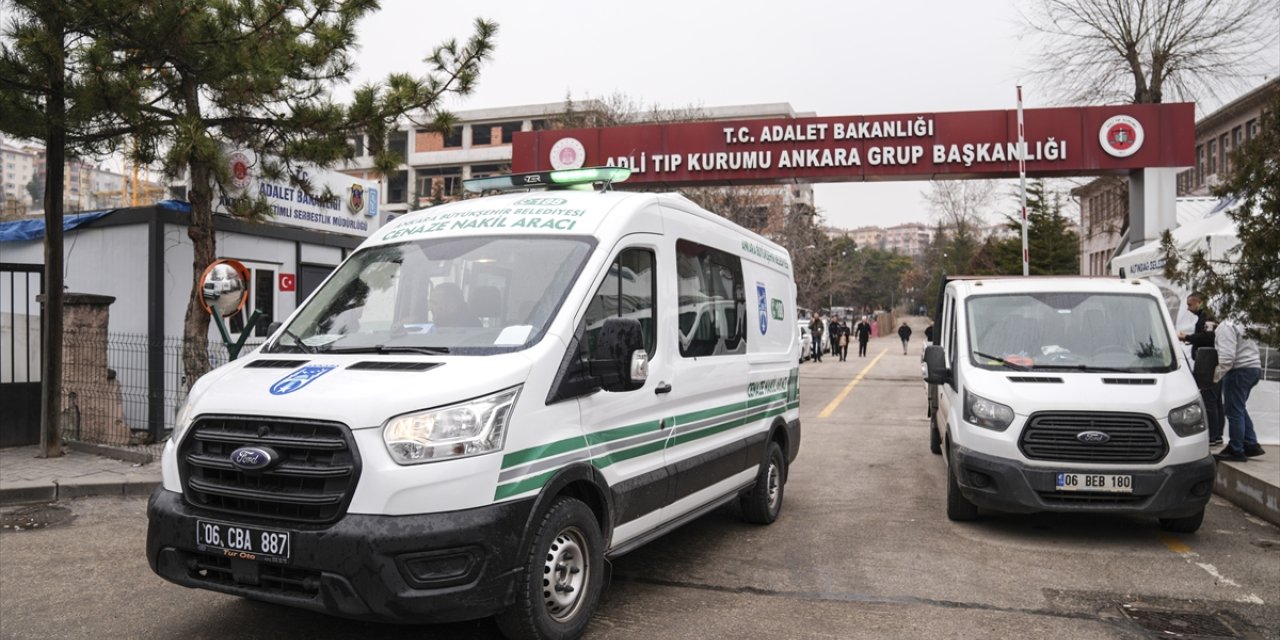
[20, 493]
[136, 457]
[1247, 490]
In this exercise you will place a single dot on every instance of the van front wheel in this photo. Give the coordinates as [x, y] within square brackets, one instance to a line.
[959, 509]
[935, 438]
[562, 579]
[1188, 524]
[763, 503]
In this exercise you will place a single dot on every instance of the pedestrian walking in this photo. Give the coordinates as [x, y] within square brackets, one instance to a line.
[928, 333]
[835, 330]
[864, 335]
[904, 332]
[815, 327]
[844, 341]
[1203, 336]
[1239, 369]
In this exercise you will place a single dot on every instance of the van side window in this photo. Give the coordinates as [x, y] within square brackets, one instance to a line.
[951, 337]
[713, 310]
[627, 292]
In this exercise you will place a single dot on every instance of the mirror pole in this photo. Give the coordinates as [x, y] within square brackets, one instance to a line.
[233, 348]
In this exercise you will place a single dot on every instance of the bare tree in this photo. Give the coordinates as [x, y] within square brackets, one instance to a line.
[959, 204]
[1144, 51]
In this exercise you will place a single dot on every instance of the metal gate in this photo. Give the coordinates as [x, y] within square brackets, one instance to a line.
[20, 353]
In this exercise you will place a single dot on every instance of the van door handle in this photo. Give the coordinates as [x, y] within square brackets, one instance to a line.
[662, 388]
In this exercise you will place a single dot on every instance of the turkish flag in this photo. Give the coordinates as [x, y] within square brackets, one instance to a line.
[288, 282]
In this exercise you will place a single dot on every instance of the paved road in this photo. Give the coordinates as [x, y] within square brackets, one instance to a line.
[863, 550]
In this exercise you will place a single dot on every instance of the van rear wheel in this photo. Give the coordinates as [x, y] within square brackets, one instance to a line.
[1187, 524]
[562, 579]
[959, 509]
[763, 503]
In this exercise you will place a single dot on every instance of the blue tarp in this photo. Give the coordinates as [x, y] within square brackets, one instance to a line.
[33, 229]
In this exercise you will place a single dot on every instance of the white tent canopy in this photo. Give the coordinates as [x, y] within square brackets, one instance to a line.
[1214, 232]
[1201, 227]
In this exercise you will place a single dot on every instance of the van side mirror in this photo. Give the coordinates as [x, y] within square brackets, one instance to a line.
[1206, 361]
[615, 362]
[934, 367]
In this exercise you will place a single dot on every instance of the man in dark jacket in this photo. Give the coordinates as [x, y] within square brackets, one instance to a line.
[904, 332]
[815, 327]
[1203, 336]
[864, 335]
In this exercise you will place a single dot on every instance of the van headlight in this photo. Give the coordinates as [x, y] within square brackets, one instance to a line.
[182, 421]
[1188, 419]
[986, 413]
[469, 428]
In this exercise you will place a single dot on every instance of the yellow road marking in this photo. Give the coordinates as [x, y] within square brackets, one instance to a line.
[831, 408]
[1175, 545]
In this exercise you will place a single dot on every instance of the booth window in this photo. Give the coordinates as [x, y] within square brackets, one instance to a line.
[713, 313]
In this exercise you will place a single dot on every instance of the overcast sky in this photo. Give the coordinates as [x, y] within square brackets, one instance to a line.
[829, 58]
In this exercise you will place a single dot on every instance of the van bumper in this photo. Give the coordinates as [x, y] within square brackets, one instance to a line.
[431, 568]
[1008, 485]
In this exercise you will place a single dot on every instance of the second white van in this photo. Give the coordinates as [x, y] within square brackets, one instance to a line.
[1066, 394]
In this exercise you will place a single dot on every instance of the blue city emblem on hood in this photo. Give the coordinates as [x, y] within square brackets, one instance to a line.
[764, 307]
[300, 378]
[252, 458]
[1093, 437]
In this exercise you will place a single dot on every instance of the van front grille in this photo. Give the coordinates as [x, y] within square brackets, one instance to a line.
[1131, 438]
[312, 480]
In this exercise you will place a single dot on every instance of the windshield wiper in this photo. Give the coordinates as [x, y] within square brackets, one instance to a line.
[1083, 367]
[1016, 367]
[297, 342]
[384, 349]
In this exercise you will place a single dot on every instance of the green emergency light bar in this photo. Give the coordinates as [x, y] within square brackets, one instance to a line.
[558, 179]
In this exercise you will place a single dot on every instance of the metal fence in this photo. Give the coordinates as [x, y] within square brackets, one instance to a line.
[106, 393]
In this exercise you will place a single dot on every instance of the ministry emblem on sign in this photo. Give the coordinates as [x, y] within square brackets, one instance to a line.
[1121, 136]
[239, 164]
[568, 153]
[355, 198]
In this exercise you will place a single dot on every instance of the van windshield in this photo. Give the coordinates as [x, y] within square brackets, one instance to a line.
[1069, 332]
[475, 295]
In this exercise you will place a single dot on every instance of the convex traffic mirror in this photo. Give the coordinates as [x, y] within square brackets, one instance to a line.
[224, 288]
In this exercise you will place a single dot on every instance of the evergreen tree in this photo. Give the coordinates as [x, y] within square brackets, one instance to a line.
[61, 84]
[1053, 246]
[258, 75]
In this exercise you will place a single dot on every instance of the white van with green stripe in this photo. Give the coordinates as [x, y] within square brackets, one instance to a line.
[483, 403]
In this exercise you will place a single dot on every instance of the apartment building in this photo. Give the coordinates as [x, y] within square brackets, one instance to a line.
[480, 145]
[17, 169]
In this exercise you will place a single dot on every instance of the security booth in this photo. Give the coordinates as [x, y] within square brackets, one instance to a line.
[131, 271]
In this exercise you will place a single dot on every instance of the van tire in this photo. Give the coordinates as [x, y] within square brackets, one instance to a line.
[763, 503]
[567, 544]
[935, 438]
[959, 509]
[1187, 524]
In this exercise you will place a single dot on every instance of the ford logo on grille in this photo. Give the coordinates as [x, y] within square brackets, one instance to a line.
[253, 458]
[1093, 437]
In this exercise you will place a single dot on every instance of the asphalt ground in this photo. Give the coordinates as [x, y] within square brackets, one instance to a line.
[863, 549]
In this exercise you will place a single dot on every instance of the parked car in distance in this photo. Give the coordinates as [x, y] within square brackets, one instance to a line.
[805, 338]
